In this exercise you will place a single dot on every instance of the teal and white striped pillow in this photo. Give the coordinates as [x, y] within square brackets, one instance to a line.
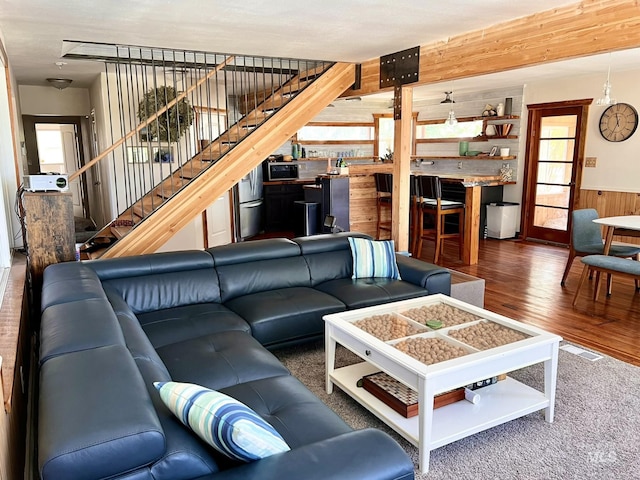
[226, 424]
[373, 258]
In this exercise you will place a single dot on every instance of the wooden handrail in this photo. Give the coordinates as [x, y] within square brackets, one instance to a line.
[153, 117]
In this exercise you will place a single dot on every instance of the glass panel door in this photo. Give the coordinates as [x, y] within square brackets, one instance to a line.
[556, 151]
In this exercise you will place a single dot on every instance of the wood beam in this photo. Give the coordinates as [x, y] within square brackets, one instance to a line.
[578, 30]
[161, 225]
[402, 170]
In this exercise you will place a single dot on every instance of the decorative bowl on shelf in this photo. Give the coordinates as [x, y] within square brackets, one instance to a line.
[473, 153]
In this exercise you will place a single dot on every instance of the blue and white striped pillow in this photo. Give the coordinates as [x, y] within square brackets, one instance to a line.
[373, 258]
[226, 424]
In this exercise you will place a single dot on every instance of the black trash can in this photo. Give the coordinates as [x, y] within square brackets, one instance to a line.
[306, 217]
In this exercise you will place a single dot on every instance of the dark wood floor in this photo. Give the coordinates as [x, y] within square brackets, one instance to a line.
[522, 281]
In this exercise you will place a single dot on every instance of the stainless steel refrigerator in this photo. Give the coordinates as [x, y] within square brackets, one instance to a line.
[248, 205]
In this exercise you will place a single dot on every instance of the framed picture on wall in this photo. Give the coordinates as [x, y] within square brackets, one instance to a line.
[162, 154]
[137, 154]
[494, 151]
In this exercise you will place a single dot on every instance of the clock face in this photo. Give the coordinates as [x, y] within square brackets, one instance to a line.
[618, 122]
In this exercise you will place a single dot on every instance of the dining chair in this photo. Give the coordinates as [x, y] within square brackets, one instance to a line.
[611, 266]
[384, 189]
[586, 239]
[429, 191]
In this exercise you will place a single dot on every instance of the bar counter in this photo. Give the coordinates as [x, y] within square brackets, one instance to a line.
[363, 189]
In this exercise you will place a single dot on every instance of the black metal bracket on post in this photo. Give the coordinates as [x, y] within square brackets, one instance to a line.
[397, 69]
[358, 77]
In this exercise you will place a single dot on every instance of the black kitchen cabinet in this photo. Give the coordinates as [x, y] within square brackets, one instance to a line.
[279, 206]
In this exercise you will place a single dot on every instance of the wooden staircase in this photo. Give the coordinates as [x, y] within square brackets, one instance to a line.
[269, 119]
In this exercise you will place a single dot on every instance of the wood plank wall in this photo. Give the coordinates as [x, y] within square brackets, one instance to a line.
[612, 204]
[363, 215]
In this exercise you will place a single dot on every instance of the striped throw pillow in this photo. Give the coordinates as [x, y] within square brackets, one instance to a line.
[373, 258]
[226, 424]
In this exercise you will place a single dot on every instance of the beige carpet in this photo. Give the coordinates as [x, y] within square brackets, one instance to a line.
[595, 435]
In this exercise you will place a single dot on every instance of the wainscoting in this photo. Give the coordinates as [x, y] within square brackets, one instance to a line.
[612, 204]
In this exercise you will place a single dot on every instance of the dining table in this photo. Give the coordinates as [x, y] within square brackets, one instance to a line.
[625, 225]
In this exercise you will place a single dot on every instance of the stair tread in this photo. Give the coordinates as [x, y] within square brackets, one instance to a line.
[146, 205]
[189, 170]
[253, 119]
[170, 186]
[121, 231]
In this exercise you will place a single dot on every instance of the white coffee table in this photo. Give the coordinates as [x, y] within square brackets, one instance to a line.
[500, 403]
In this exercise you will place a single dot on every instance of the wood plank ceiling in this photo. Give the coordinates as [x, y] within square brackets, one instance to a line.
[582, 29]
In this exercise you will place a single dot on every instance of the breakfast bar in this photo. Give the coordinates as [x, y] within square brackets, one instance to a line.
[363, 209]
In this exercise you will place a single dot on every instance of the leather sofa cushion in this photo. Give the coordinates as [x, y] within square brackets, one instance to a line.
[329, 242]
[147, 293]
[328, 256]
[172, 325]
[363, 454]
[434, 278]
[151, 264]
[87, 324]
[282, 315]
[288, 406]
[96, 418]
[136, 340]
[57, 277]
[329, 266]
[220, 360]
[257, 250]
[364, 292]
[259, 276]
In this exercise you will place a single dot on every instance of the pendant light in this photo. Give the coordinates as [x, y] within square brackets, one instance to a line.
[606, 91]
[451, 118]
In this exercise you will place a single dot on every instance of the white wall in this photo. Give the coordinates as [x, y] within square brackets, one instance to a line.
[7, 180]
[35, 100]
[11, 234]
[618, 163]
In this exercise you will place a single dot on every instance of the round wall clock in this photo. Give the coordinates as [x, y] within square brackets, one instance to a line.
[618, 122]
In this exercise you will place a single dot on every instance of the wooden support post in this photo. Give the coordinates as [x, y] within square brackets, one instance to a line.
[402, 169]
[473, 204]
[50, 232]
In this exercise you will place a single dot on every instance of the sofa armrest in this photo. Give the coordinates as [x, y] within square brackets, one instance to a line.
[433, 278]
[368, 453]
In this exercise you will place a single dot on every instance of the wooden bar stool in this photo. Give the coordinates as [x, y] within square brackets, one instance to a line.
[384, 188]
[429, 191]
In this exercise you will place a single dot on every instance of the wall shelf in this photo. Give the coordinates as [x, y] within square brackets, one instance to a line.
[469, 119]
[463, 157]
[481, 138]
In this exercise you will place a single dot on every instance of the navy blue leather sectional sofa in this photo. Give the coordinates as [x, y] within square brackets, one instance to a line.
[110, 328]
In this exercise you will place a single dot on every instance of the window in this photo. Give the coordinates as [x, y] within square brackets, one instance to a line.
[349, 133]
[339, 139]
[436, 129]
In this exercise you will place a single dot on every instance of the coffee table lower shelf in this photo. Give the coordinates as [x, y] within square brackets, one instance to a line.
[500, 403]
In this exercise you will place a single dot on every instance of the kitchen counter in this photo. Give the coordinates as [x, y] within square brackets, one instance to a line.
[297, 181]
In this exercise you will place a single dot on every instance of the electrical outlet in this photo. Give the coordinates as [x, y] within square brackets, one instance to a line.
[590, 162]
[459, 165]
